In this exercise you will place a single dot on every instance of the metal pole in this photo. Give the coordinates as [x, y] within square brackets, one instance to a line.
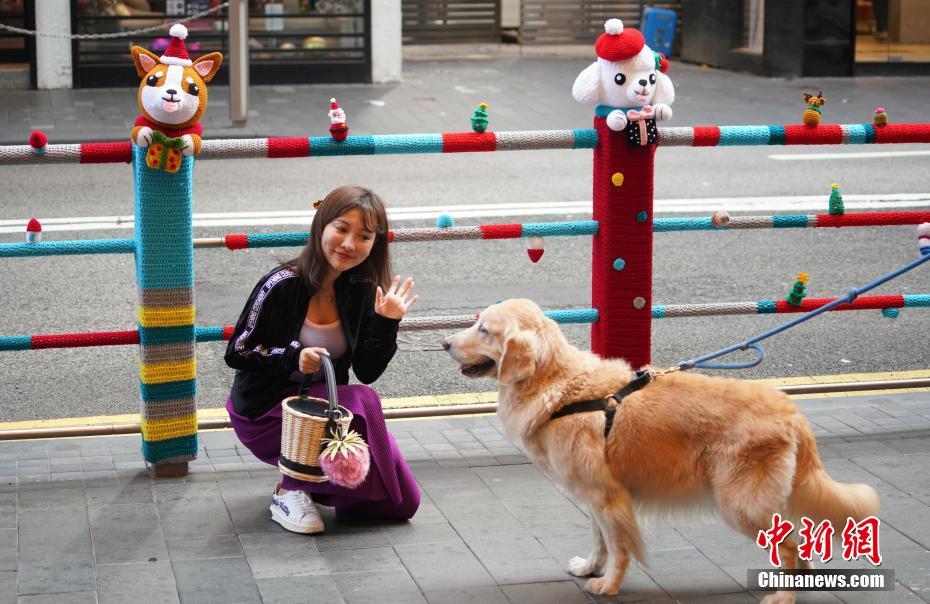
[239, 62]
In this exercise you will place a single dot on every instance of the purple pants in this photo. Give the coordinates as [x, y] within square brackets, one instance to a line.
[389, 491]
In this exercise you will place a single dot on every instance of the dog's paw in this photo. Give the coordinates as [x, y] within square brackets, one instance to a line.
[188, 149]
[144, 137]
[616, 120]
[582, 567]
[663, 112]
[602, 586]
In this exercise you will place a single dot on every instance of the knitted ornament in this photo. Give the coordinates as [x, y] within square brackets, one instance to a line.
[797, 292]
[33, 231]
[176, 53]
[836, 201]
[337, 119]
[661, 62]
[721, 218]
[880, 117]
[346, 460]
[38, 141]
[811, 117]
[479, 119]
[923, 238]
[891, 313]
[617, 43]
[165, 153]
[534, 248]
[641, 126]
[445, 221]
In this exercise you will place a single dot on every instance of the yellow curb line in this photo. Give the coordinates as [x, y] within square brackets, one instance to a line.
[472, 398]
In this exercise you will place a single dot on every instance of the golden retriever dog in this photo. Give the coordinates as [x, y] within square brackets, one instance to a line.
[684, 439]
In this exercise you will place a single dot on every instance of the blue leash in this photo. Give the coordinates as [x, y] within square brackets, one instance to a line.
[701, 362]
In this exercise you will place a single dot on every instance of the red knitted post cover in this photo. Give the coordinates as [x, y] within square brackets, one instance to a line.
[622, 330]
[706, 136]
[903, 133]
[81, 340]
[828, 134]
[237, 241]
[501, 231]
[872, 219]
[288, 147]
[459, 142]
[106, 153]
[861, 303]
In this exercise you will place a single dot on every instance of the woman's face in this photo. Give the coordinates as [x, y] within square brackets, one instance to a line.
[347, 241]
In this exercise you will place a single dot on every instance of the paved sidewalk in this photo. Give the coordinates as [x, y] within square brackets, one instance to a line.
[82, 521]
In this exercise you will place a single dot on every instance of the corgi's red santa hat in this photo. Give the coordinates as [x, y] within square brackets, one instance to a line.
[176, 53]
[617, 43]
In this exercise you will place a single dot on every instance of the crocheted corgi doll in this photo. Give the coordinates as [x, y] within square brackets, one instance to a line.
[627, 83]
[172, 98]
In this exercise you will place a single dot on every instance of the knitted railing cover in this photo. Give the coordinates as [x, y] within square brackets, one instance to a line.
[622, 194]
[165, 312]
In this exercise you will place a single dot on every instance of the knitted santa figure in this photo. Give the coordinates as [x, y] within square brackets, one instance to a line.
[337, 120]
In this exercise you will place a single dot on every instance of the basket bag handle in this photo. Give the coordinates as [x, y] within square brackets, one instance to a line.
[333, 413]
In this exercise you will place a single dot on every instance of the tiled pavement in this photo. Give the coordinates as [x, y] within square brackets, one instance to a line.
[82, 521]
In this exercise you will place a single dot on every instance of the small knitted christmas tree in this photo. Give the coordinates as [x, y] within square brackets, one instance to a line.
[836, 201]
[479, 119]
[797, 292]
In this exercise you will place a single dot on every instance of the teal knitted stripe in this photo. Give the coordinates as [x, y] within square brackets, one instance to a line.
[544, 229]
[664, 225]
[765, 307]
[789, 222]
[353, 145]
[584, 139]
[869, 133]
[658, 312]
[743, 135]
[168, 391]
[408, 143]
[277, 239]
[153, 336]
[173, 449]
[209, 334]
[16, 343]
[857, 134]
[581, 315]
[777, 135]
[916, 300]
[67, 248]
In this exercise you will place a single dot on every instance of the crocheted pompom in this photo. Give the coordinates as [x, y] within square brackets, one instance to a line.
[347, 469]
[721, 218]
[613, 27]
[37, 139]
[178, 31]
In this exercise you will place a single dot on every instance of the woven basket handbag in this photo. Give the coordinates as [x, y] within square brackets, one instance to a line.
[306, 421]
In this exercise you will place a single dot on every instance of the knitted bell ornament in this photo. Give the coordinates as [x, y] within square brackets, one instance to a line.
[618, 43]
[346, 459]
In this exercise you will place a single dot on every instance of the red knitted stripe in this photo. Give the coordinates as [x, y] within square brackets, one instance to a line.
[860, 303]
[459, 142]
[903, 133]
[106, 153]
[80, 340]
[829, 134]
[706, 136]
[237, 241]
[391, 236]
[288, 147]
[501, 231]
[872, 219]
[228, 331]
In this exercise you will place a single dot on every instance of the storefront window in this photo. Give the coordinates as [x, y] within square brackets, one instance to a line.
[283, 35]
[12, 46]
[892, 31]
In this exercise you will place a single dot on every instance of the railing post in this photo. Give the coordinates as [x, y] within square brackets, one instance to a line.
[238, 13]
[165, 279]
[621, 267]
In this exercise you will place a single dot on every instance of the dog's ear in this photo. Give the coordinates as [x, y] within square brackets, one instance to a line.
[207, 65]
[518, 359]
[143, 60]
[587, 87]
[665, 90]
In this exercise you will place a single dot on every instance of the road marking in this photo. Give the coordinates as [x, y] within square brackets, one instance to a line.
[852, 155]
[788, 203]
[471, 398]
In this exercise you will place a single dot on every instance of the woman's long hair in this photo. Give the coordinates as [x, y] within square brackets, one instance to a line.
[311, 264]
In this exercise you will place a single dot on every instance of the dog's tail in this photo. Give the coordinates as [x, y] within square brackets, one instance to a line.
[817, 496]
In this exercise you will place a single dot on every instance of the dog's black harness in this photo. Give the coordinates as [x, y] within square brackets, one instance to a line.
[640, 380]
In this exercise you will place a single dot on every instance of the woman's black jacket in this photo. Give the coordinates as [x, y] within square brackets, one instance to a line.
[264, 346]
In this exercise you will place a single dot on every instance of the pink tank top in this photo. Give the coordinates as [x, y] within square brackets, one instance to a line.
[329, 336]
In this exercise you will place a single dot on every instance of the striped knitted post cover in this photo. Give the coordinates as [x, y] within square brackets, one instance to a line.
[165, 278]
[623, 211]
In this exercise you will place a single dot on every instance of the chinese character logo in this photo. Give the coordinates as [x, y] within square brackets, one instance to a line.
[860, 539]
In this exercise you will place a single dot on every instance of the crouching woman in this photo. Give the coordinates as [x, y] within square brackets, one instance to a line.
[337, 298]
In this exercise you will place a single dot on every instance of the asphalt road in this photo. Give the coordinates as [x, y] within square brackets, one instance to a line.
[97, 293]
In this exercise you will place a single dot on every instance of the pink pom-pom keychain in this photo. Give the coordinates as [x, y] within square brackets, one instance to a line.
[346, 459]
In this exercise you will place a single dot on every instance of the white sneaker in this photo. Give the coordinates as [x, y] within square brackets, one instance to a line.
[295, 511]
